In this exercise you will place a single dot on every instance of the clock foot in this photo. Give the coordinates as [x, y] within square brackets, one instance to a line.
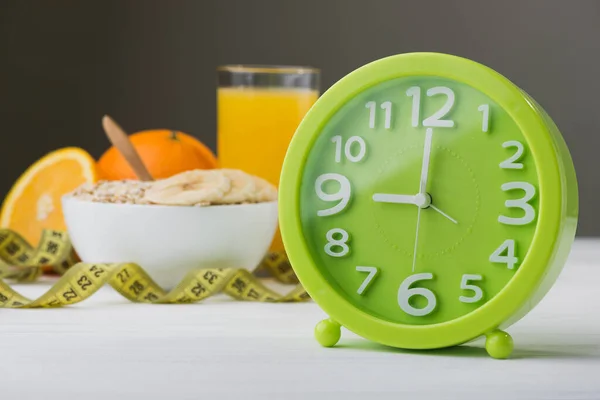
[499, 344]
[328, 332]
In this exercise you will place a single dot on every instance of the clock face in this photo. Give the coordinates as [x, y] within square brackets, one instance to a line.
[419, 200]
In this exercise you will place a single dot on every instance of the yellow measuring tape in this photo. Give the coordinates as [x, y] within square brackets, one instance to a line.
[21, 262]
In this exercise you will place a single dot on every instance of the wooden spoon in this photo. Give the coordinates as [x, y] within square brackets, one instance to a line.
[120, 140]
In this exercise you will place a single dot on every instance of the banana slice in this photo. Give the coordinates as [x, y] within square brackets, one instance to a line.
[242, 187]
[264, 190]
[190, 187]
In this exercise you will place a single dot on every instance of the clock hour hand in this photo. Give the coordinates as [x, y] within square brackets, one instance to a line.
[420, 200]
[394, 198]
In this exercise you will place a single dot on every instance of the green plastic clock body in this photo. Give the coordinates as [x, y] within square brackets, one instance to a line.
[425, 200]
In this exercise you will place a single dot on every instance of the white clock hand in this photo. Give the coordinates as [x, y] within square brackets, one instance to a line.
[416, 240]
[426, 157]
[443, 213]
[422, 187]
[394, 198]
[421, 200]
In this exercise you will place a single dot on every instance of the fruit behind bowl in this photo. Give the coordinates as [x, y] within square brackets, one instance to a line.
[164, 153]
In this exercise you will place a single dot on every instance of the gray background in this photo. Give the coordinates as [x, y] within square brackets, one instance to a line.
[151, 64]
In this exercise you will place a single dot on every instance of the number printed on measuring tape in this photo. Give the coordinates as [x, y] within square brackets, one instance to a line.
[96, 270]
[84, 282]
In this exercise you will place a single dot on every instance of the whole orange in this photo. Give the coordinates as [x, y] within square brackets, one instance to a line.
[164, 152]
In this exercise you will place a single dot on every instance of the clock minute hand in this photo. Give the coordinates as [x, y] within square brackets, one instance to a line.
[426, 158]
[422, 188]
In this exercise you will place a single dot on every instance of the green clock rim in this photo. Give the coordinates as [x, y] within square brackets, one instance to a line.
[549, 223]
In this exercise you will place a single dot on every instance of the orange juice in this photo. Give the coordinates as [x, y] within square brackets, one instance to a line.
[255, 126]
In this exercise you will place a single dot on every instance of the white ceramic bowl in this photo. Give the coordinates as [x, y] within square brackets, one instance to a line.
[169, 241]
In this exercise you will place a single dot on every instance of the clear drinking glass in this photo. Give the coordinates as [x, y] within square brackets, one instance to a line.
[259, 108]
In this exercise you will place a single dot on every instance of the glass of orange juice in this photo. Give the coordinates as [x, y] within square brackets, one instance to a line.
[258, 111]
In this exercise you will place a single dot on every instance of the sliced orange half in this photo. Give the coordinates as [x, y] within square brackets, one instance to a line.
[34, 202]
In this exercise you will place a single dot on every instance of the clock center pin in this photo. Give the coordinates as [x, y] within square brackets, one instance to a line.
[423, 200]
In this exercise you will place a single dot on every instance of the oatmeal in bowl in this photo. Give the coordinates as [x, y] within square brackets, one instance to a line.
[195, 219]
[190, 188]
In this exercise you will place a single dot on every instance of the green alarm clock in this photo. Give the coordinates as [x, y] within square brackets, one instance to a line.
[426, 201]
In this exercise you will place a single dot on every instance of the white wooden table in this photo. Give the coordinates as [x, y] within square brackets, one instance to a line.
[108, 348]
